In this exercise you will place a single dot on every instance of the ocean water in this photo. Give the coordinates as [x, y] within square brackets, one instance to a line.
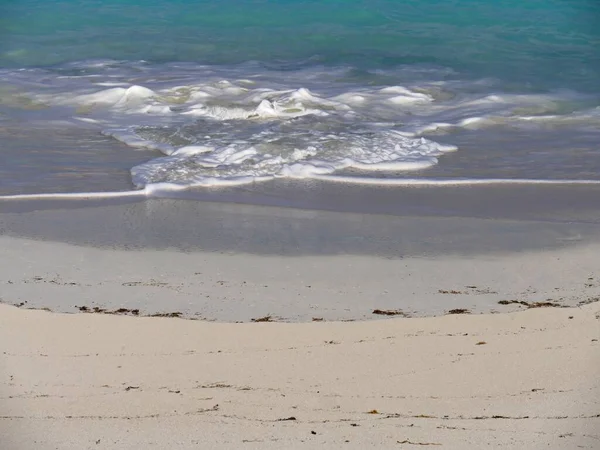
[169, 96]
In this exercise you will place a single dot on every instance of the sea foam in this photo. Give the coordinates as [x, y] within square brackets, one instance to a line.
[218, 127]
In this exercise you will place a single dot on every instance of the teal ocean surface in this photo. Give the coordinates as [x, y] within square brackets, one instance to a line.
[209, 93]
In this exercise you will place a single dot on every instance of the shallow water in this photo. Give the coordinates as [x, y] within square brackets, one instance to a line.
[105, 96]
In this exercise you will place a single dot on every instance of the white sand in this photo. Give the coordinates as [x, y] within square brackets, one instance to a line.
[96, 381]
[78, 381]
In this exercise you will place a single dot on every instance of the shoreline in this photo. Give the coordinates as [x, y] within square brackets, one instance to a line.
[543, 200]
[454, 381]
[376, 314]
[231, 262]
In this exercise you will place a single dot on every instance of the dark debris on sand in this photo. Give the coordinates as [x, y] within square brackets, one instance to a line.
[389, 312]
[545, 304]
[459, 311]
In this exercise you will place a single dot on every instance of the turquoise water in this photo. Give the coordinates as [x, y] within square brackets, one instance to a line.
[542, 42]
[234, 91]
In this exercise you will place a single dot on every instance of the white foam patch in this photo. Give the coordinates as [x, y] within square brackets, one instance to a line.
[76, 195]
[581, 118]
[304, 156]
[225, 100]
[264, 110]
[343, 137]
[165, 190]
[264, 104]
[168, 189]
[116, 96]
[407, 182]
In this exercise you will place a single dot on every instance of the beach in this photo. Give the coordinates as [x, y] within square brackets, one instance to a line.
[337, 347]
[298, 224]
[234, 262]
[520, 380]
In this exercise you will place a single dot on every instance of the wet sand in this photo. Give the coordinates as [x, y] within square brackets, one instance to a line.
[231, 262]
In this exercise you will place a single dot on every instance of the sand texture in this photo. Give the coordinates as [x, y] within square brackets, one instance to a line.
[518, 380]
[232, 287]
[525, 377]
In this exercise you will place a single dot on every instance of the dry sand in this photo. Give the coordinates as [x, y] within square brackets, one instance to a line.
[526, 380]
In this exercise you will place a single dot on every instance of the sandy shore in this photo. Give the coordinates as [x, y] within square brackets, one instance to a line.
[524, 379]
[236, 262]
[231, 287]
[520, 380]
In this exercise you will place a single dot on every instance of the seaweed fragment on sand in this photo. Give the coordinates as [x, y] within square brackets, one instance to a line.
[267, 318]
[389, 312]
[543, 304]
[175, 314]
[409, 442]
[588, 301]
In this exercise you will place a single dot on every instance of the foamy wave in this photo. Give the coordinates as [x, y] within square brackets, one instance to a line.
[301, 155]
[133, 99]
[233, 126]
[269, 138]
